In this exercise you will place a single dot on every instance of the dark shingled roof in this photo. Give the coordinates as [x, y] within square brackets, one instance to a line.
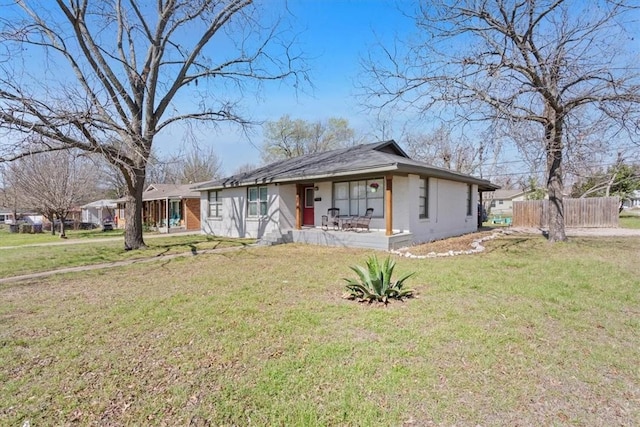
[376, 158]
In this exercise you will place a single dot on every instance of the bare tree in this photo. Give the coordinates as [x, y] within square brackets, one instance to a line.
[245, 168]
[287, 138]
[439, 149]
[9, 197]
[199, 165]
[53, 183]
[115, 73]
[555, 64]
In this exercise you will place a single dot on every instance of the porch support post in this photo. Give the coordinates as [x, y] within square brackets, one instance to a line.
[167, 212]
[298, 206]
[481, 209]
[388, 197]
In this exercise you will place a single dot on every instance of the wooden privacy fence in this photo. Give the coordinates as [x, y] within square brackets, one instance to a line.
[587, 212]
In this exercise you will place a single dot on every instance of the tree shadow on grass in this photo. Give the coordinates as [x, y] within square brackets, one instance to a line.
[507, 245]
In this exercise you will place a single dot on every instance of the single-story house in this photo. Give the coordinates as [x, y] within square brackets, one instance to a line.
[633, 200]
[24, 215]
[4, 215]
[412, 202]
[500, 202]
[99, 211]
[176, 202]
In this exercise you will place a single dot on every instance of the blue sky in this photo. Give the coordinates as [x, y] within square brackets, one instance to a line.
[334, 35]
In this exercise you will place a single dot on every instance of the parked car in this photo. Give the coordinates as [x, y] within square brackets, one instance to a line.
[107, 225]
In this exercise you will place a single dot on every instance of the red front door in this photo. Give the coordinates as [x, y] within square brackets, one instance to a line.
[307, 210]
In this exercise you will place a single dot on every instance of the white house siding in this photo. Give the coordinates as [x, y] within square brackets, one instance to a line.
[447, 210]
[92, 215]
[405, 201]
[234, 221]
[504, 206]
[287, 206]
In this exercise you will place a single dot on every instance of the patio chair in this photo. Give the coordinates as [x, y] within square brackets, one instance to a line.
[331, 218]
[361, 222]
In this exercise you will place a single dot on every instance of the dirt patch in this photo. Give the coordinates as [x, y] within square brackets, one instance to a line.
[463, 243]
[456, 244]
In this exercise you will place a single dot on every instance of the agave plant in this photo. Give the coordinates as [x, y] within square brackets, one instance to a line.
[374, 282]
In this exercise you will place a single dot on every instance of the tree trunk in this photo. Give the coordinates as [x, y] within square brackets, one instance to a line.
[62, 233]
[553, 137]
[133, 212]
[51, 217]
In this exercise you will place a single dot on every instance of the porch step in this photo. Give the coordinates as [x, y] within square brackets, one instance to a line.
[275, 238]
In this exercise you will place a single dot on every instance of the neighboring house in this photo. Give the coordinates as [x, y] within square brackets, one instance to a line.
[99, 211]
[413, 202]
[500, 202]
[633, 200]
[24, 215]
[177, 203]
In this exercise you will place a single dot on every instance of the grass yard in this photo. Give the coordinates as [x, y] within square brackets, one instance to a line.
[20, 239]
[33, 259]
[629, 221]
[525, 333]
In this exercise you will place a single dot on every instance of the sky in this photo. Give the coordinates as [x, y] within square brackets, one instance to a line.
[334, 35]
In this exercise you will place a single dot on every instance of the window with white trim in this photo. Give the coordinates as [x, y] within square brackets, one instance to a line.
[355, 197]
[257, 201]
[215, 204]
[423, 198]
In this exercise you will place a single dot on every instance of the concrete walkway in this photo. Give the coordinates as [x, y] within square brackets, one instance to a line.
[582, 232]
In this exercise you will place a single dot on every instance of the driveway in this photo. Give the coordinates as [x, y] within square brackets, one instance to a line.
[583, 232]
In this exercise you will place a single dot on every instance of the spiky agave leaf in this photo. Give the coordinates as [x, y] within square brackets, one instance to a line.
[375, 282]
[400, 282]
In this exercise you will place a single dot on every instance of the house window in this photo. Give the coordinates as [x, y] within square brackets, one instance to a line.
[308, 197]
[423, 203]
[500, 202]
[215, 204]
[355, 197]
[174, 210]
[469, 199]
[257, 201]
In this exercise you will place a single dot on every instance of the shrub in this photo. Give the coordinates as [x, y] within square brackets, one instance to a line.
[375, 284]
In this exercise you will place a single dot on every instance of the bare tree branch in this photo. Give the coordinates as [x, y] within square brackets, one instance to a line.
[543, 62]
[115, 73]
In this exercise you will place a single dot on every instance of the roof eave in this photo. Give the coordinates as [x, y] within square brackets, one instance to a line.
[315, 177]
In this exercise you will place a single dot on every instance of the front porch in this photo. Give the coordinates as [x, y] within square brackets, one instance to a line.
[374, 239]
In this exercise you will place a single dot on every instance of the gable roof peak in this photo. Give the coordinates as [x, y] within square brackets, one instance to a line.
[390, 146]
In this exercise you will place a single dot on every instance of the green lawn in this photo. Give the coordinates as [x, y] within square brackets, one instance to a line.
[629, 221]
[20, 239]
[33, 259]
[525, 333]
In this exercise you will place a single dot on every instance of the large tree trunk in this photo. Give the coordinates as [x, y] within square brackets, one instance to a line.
[553, 137]
[62, 231]
[51, 216]
[133, 212]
